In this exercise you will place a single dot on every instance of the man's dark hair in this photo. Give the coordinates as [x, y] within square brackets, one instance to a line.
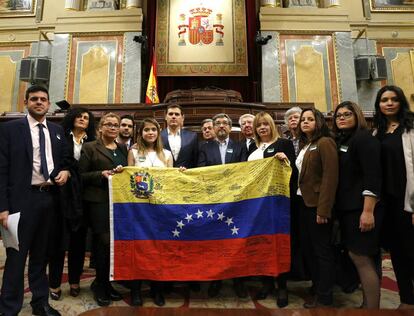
[127, 116]
[175, 106]
[35, 88]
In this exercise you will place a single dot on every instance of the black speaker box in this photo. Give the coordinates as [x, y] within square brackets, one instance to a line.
[362, 67]
[35, 69]
[378, 68]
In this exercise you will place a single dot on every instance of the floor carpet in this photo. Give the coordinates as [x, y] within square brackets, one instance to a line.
[181, 297]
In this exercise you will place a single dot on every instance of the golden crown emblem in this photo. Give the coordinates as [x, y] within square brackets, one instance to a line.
[203, 12]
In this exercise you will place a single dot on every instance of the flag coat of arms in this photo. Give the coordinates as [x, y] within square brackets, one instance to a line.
[207, 223]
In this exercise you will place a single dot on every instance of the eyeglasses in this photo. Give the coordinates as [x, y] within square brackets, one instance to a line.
[221, 123]
[345, 116]
[110, 125]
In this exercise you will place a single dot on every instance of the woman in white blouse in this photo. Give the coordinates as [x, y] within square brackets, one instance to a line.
[148, 151]
[269, 144]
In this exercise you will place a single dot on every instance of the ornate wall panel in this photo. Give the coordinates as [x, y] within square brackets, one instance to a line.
[309, 70]
[95, 69]
[400, 66]
[11, 88]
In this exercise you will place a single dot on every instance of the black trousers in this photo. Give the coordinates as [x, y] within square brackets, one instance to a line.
[33, 234]
[399, 234]
[76, 258]
[318, 252]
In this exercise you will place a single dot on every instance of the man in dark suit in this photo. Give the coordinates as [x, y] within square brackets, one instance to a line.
[246, 128]
[33, 159]
[182, 143]
[223, 151]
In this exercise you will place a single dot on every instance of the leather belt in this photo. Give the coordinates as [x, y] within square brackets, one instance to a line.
[43, 187]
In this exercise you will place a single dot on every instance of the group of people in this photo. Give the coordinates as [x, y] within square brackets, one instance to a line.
[362, 178]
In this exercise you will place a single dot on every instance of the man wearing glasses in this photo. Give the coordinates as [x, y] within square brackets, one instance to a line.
[223, 151]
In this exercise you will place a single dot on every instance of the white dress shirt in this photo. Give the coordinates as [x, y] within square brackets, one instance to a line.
[37, 177]
[223, 149]
[175, 142]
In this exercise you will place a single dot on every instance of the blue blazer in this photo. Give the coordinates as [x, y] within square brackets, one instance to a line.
[209, 154]
[187, 157]
[16, 161]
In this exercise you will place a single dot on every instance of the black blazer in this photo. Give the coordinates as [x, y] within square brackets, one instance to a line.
[209, 154]
[16, 162]
[94, 159]
[187, 157]
[252, 147]
[359, 170]
[285, 146]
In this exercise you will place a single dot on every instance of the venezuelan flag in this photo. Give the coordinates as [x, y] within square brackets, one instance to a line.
[206, 223]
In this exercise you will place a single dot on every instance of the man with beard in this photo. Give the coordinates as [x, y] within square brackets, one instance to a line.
[223, 151]
[34, 159]
[246, 126]
[126, 131]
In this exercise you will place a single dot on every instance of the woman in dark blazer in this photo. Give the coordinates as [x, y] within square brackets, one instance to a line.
[358, 191]
[99, 160]
[269, 144]
[317, 164]
[394, 124]
[70, 229]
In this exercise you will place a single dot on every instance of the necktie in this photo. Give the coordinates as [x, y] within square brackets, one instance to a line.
[43, 162]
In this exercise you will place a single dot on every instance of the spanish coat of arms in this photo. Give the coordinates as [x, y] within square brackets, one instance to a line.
[200, 28]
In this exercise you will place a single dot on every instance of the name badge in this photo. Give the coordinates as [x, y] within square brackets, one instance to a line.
[230, 150]
[270, 150]
[313, 147]
[141, 159]
[343, 148]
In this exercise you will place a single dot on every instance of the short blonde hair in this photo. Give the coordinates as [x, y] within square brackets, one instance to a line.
[273, 130]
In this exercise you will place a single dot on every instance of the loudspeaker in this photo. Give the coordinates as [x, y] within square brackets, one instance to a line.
[378, 68]
[362, 67]
[35, 69]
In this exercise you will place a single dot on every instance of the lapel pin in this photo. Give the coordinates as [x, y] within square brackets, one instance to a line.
[58, 136]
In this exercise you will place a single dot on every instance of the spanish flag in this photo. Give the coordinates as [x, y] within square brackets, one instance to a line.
[151, 95]
[207, 223]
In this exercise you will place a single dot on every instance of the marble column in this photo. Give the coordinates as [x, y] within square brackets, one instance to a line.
[332, 3]
[133, 4]
[270, 3]
[72, 5]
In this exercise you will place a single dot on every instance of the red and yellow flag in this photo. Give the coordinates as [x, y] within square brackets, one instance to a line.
[151, 96]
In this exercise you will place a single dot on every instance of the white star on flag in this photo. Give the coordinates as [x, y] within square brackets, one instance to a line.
[189, 218]
[229, 221]
[180, 224]
[210, 213]
[235, 230]
[176, 233]
[199, 214]
[220, 216]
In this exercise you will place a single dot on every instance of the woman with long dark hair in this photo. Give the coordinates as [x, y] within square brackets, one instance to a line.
[317, 165]
[70, 229]
[394, 123]
[358, 192]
